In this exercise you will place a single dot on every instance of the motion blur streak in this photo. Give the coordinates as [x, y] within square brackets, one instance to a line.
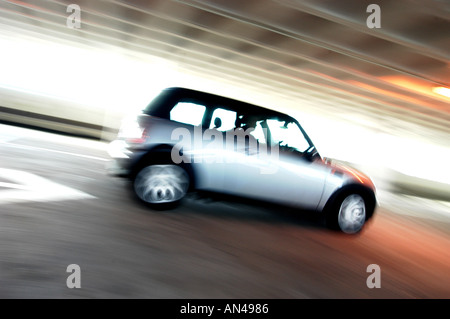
[102, 91]
[442, 91]
[203, 249]
[58, 70]
[53, 151]
[376, 99]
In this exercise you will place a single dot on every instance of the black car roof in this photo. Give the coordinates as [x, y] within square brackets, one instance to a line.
[217, 100]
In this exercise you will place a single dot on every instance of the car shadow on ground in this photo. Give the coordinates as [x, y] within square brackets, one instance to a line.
[227, 207]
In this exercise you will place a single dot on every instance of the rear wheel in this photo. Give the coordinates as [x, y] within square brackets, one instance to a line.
[161, 185]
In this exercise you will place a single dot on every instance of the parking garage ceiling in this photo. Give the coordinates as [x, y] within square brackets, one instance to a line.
[319, 53]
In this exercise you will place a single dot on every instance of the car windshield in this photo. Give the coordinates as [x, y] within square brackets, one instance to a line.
[287, 134]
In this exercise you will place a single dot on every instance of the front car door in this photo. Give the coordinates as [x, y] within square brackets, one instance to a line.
[278, 169]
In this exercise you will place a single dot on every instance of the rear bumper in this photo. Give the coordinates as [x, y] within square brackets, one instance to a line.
[118, 150]
[115, 168]
[124, 158]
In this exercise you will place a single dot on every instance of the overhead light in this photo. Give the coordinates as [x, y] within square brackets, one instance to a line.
[442, 91]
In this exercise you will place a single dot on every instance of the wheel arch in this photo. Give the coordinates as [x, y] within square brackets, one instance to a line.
[162, 154]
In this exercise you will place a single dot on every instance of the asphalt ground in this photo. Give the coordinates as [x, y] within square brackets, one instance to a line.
[58, 207]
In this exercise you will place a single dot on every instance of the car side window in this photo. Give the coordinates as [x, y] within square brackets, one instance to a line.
[227, 119]
[188, 113]
[258, 133]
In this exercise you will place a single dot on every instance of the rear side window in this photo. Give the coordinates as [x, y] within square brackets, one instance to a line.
[188, 113]
[227, 119]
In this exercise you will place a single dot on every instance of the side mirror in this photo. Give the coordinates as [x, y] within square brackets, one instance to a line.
[311, 153]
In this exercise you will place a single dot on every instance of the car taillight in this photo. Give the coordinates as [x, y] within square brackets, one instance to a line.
[138, 140]
[132, 132]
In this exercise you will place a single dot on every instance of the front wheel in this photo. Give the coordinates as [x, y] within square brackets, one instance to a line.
[161, 185]
[348, 214]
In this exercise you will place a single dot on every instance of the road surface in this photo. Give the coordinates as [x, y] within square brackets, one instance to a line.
[58, 207]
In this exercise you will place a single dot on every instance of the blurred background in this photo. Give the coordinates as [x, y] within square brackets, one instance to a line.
[371, 88]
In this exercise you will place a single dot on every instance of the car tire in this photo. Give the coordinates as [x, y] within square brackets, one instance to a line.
[349, 212]
[161, 185]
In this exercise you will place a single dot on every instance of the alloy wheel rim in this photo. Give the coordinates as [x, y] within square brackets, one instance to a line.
[161, 184]
[352, 214]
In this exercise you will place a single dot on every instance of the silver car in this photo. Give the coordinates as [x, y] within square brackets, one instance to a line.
[188, 140]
